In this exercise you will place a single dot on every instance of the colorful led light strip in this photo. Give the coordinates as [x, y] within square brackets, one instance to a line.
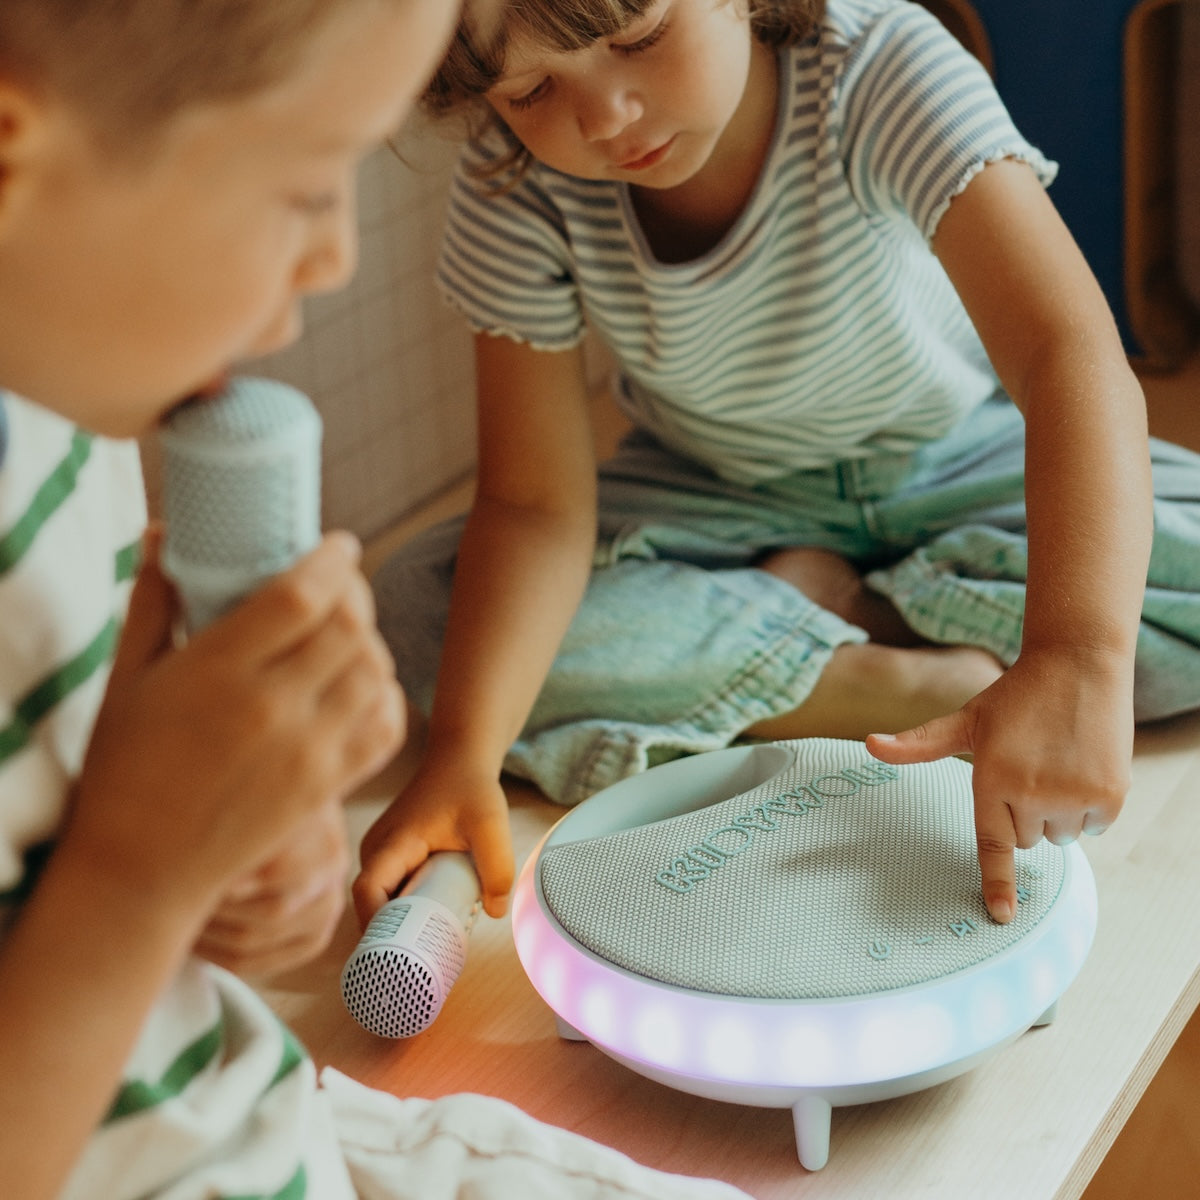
[805, 1044]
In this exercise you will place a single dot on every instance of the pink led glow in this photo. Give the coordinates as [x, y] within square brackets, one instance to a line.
[762, 1045]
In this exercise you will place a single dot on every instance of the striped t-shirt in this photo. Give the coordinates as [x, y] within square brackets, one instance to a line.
[821, 327]
[217, 1100]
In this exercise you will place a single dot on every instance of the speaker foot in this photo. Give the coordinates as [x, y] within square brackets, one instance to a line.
[1047, 1017]
[567, 1032]
[811, 1115]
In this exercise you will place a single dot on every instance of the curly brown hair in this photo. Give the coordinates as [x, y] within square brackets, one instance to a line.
[472, 64]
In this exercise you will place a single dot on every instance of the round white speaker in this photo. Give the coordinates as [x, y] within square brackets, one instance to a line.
[795, 925]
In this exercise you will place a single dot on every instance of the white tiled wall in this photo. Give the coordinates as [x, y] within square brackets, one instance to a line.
[386, 363]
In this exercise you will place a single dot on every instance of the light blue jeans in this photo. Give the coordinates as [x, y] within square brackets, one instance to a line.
[681, 642]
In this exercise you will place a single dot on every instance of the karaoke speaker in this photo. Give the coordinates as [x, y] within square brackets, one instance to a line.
[794, 924]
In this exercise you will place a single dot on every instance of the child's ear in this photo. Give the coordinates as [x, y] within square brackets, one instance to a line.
[22, 131]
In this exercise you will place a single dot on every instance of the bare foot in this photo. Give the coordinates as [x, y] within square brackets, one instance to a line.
[885, 689]
[835, 584]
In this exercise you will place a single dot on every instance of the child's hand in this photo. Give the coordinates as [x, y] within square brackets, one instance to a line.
[1052, 741]
[285, 912]
[205, 759]
[441, 809]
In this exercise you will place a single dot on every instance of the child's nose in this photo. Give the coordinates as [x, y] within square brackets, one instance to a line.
[604, 112]
[332, 257]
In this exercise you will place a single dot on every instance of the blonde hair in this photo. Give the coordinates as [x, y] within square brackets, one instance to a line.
[128, 66]
[472, 64]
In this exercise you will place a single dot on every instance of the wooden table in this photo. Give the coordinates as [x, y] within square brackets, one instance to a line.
[1034, 1121]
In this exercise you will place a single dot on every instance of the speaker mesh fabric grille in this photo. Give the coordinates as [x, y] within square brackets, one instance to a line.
[840, 877]
[263, 408]
[411, 955]
[241, 491]
[391, 993]
[226, 518]
[442, 944]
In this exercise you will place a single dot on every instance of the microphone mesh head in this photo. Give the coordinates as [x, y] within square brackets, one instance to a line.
[241, 490]
[395, 986]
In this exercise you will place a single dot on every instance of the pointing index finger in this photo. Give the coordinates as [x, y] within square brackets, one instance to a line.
[996, 842]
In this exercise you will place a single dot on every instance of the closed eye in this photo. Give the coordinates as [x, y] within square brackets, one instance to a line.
[530, 98]
[643, 43]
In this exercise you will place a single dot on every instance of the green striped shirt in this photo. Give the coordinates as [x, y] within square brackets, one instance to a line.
[216, 1101]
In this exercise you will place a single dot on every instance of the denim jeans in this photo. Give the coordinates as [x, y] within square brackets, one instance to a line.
[681, 642]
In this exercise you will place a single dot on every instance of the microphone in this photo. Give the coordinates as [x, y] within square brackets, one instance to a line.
[241, 492]
[413, 950]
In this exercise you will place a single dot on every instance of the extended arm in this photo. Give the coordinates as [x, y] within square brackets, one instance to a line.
[1052, 739]
[523, 564]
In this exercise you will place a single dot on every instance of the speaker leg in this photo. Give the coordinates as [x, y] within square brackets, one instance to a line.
[1047, 1017]
[567, 1032]
[811, 1115]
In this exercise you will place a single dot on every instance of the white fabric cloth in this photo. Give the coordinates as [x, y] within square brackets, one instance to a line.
[469, 1147]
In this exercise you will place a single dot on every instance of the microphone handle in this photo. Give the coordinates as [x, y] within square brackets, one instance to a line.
[447, 878]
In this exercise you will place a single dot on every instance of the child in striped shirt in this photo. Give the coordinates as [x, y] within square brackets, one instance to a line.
[889, 475]
[175, 175]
